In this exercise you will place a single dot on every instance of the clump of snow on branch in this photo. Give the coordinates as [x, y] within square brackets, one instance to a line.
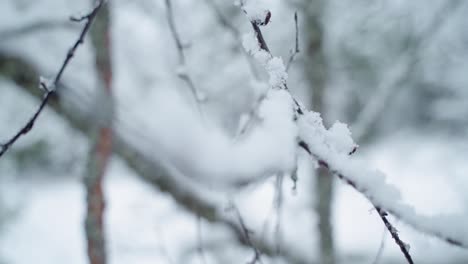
[336, 140]
[273, 65]
[257, 11]
[332, 146]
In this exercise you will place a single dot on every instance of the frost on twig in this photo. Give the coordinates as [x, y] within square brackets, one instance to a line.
[50, 86]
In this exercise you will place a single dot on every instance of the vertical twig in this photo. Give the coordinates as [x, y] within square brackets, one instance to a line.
[278, 207]
[227, 24]
[200, 247]
[296, 50]
[182, 71]
[246, 233]
[381, 247]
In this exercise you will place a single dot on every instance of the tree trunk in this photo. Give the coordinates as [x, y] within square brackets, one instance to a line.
[101, 141]
[316, 70]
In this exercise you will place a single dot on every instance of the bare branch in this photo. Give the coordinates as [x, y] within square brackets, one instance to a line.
[183, 74]
[51, 89]
[278, 207]
[381, 247]
[246, 233]
[200, 246]
[223, 21]
[404, 68]
[296, 50]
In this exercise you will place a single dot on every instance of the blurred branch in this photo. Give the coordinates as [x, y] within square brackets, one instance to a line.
[50, 88]
[404, 68]
[315, 67]
[278, 207]
[296, 50]
[227, 24]
[379, 254]
[200, 246]
[246, 233]
[73, 108]
[182, 71]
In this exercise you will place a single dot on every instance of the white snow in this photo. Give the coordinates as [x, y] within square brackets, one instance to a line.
[256, 10]
[267, 149]
[273, 65]
[373, 183]
[145, 226]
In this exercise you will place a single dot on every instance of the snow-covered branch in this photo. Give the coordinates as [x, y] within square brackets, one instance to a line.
[331, 149]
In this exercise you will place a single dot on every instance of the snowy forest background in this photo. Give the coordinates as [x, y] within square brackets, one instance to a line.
[394, 71]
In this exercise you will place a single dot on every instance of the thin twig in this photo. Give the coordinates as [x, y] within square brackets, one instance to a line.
[223, 21]
[200, 247]
[246, 232]
[182, 73]
[296, 50]
[381, 247]
[404, 247]
[382, 213]
[278, 207]
[405, 66]
[263, 45]
[50, 89]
